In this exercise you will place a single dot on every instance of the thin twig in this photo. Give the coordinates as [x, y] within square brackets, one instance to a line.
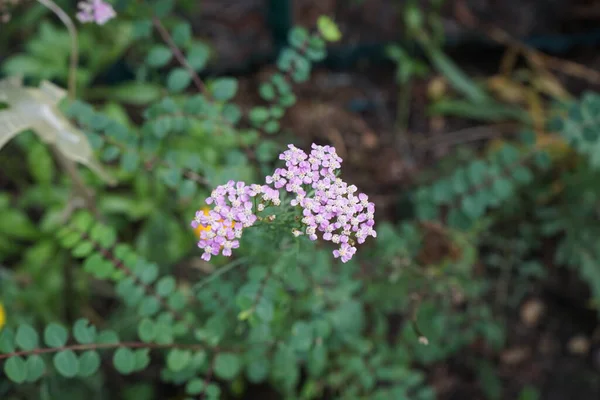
[179, 55]
[68, 166]
[74, 59]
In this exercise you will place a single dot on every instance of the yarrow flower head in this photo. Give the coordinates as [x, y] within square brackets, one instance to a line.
[97, 11]
[221, 228]
[329, 205]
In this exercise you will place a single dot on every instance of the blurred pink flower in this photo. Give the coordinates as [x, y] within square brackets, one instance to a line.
[96, 11]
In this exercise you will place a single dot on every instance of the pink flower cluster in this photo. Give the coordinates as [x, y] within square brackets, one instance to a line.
[97, 11]
[329, 205]
[231, 213]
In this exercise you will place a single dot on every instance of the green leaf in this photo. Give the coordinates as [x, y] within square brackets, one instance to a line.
[7, 341]
[55, 335]
[142, 359]
[124, 360]
[257, 370]
[108, 337]
[182, 34]
[317, 360]
[149, 306]
[130, 161]
[213, 391]
[83, 249]
[162, 8]
[27, 337]
[227, 366]
[83, 221]
[159, 56]
[40, 163]
[83, 332]
[141, 29]
[111, 153]
[104, 235]
[328, 29]
[187, 188]
[258, 115]
[197, 56]
[178, 80]
[98, 266]
[147, 330]
[66, 363]
[271, 127]
[224, 89]
[165, 286]
[195, 386]
[15, 224]
[135, 93]
[302, 336]
[15, 369]
[149, 274]
[177, 301]
[35, 368]
[178, 359]
[89, 362]
[267, 91]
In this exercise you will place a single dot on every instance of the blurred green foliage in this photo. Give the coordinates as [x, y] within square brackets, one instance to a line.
[90, 294]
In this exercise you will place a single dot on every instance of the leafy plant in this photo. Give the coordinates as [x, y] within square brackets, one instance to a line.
[107, 281]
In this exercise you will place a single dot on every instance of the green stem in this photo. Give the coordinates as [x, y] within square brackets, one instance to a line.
[74, 60]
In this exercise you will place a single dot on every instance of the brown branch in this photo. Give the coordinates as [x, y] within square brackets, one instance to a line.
[166, 36]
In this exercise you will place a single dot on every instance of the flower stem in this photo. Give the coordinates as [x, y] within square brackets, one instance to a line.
[74, 60]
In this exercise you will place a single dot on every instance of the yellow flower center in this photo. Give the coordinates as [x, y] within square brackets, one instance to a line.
[200, 228]
[2, 316]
